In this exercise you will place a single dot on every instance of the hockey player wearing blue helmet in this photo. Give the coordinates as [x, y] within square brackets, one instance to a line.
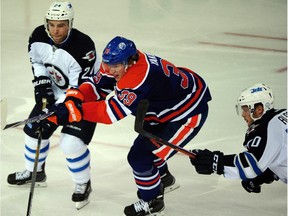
[178, 108]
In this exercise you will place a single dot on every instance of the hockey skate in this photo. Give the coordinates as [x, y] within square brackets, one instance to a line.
[81, 194]
[154, 207]
[24, 179]
[169, 182]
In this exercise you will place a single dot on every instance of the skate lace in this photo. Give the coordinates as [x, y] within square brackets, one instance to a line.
[22, 175]
[141, 205]
[80, 188]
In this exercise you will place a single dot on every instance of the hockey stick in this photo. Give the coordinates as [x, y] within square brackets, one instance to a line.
[138, 127]
[30, 120]
[34, 173]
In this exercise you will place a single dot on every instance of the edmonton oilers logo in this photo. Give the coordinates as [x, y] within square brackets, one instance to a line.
[122, 46]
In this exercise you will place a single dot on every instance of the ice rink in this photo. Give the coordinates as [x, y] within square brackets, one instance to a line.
[232, 44]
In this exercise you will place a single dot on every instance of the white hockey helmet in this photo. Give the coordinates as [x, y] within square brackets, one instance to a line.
[258, 93]
[60, 11]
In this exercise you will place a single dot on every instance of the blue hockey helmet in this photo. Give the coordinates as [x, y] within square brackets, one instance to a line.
[118, 50]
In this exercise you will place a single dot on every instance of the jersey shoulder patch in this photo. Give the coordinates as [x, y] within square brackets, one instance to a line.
[81, 47]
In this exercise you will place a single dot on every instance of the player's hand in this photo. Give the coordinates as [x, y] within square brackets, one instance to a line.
[69, 111]
[254, 185]
[208, 162]
[250, 187]
[43, 89]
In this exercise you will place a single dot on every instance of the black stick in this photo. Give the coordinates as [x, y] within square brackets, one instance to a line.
[138, 127]
[34, 173]
[30, 120]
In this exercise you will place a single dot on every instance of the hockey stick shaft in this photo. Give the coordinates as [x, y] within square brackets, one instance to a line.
[34, 173]
[138, 127]
[30, 120]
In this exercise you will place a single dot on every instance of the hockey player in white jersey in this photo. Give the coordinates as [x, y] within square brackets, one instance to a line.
[61, 57]
[266, 142]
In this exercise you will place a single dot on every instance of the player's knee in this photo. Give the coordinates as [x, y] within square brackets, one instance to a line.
[72, 145]
[32, 130]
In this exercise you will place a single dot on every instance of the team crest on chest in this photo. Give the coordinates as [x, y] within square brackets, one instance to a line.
[58, 77]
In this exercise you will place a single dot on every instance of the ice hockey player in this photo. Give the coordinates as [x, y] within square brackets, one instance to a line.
[178, 108]
[61, 57]
[265, 159]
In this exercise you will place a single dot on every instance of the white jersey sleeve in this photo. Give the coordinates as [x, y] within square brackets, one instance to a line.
[266, 143]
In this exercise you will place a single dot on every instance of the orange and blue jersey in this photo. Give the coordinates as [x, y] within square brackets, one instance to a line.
[174, 93]
[177, 111]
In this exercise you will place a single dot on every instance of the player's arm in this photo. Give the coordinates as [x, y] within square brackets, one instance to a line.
[41, 82]
[102, 111]
[244, 166]
[86, 56]
[236, 166]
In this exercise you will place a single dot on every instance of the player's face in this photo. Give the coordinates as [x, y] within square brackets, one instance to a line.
[58, 30]
[246, 115]
[116, 70]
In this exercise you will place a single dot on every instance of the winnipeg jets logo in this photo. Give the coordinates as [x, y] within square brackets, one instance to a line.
[90, 56]
[58, 77]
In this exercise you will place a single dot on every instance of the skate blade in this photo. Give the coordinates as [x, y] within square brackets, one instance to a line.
[171, 188]
[158, 214]
[82, 204]
[28, 185]
[154, 214]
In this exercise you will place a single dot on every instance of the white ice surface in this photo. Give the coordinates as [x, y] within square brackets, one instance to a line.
[177, 31]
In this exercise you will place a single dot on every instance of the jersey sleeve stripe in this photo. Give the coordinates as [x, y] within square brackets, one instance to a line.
[116, 109]
[253, 163]
[240, 168]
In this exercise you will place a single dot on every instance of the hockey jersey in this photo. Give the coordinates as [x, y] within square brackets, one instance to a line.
[67, 65]
[266, 144]
[174, 93]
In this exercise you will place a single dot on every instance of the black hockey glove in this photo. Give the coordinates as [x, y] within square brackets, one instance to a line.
[70, 110]
[250, 187]
[208, 162]
[43, 89]
[254, 185]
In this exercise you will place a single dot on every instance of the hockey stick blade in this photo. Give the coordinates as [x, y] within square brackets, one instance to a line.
[138, 127]
[30, 120]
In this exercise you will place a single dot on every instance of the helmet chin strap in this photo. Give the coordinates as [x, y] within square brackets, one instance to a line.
[251, 114]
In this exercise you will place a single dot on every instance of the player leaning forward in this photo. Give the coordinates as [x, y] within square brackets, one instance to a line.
[61, 57]
[265, 157]
[178, 109]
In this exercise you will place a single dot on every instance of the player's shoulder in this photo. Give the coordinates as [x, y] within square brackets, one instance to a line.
[80, 45]
[270, 114]
[136, 75]
[81, 39]
[39, 34]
